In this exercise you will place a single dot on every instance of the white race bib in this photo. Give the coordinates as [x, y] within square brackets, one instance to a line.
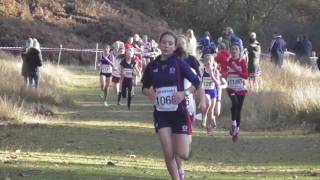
[164, 98]
[208, 83]
[128, 72]
[191, 105]
[106, 68]
[235, 82]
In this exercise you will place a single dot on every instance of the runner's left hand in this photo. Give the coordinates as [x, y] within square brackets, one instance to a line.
[178, 97]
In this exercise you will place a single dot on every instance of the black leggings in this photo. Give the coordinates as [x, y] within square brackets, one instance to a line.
[237, 102]
[126, 87]
[32, 79]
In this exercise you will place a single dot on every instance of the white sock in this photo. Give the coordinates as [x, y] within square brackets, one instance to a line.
[181, 170]
[238, 129]
[234, 123]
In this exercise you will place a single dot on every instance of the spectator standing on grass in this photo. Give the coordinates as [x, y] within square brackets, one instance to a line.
[277, 49]
[297, 48]
[29, 44]
[32, 60]
[254, 52]
[307, 49]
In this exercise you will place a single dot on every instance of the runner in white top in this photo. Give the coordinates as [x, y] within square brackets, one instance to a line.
[118, 50]
[146, 48]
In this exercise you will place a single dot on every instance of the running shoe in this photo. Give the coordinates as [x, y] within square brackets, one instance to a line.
[210, 130]
[102, 94]
[181, 174]
[105, 103]
[204, 122]
[235, 138]
[235, 135]
[233, 130]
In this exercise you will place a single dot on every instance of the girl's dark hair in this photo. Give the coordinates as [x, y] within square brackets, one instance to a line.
[170, 34]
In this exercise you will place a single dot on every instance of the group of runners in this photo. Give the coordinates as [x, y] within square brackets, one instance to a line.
[178, 85]
[122, 64]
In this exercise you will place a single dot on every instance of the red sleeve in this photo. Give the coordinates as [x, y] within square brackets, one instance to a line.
[244, 74]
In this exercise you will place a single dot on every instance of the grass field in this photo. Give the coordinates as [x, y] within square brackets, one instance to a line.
[89, 141]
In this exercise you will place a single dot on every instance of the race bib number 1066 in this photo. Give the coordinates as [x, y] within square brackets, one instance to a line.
[164, 98]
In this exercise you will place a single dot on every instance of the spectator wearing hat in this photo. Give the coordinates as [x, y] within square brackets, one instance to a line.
[277, 49]
[254, 52]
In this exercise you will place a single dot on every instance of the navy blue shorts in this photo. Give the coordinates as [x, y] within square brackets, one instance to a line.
[179, 122]
[212, 93]
[105, 74]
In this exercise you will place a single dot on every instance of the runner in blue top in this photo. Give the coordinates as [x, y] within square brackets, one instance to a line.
[163, 84]
[211, 81]
[106, 66]
[128, 69]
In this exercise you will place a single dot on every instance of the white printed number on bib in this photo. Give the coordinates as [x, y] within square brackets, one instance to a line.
[235, 82]
[106, 68]
[164, 98]
[128, 72]
[208, 83]
[190, 103]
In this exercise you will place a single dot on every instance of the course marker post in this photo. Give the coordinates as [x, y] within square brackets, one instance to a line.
[59, 58]
[96, 59]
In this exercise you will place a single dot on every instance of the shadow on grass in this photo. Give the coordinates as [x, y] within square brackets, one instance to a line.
[143, 142]
[92, 171]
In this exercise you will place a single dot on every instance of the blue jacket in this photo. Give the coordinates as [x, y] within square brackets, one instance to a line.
[277, 50]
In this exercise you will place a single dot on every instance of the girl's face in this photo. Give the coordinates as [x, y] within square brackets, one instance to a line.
[129, 54]
[145, 38]
[182, 43]
[207, 63]
[235, 51]
[116, 46]
[121, 50]
[107, 50]
[130, 40]
[167, 45]
[136, 37]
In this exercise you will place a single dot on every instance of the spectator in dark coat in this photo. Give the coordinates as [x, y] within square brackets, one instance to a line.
[297, 48]
[277, 49]
[306, 49]
[254, 52]
[29, 44]
[32, 60]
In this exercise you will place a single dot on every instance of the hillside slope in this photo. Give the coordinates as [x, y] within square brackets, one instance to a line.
[79, 24]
